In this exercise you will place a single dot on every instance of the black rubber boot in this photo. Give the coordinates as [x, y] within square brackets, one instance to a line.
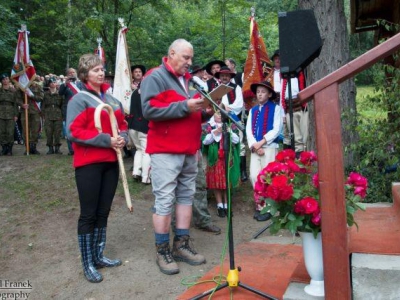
[4, 149]
[86, 247]
[57, 150]
[99, 244]
[51, 150]
[243, 171]
[32, 149]
[10, 146]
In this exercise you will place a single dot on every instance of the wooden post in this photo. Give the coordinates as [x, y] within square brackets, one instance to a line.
[331, 186]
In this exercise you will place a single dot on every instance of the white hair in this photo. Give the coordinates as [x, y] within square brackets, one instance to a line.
[178, 45]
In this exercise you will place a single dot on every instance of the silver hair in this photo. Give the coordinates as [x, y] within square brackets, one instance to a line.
[179, 44]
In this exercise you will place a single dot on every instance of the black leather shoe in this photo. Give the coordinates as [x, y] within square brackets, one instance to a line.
[263, 217]
[221, 212]
[137, 178]
[210, 228]
[256, 214]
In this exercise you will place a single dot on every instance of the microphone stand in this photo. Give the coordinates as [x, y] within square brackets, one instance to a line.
[232, 279]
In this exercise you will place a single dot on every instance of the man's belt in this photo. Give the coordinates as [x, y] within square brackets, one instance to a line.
[296, 105]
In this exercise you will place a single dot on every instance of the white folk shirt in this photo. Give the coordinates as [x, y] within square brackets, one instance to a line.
[237, 105]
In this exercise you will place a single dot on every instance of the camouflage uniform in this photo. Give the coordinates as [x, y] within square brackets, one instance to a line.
[52, 112]
[8, 111]
[201, 215]
[34, 115]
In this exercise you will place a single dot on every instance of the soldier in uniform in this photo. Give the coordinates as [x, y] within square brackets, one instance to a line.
[8, 115]
[34, 114]
[52, 112]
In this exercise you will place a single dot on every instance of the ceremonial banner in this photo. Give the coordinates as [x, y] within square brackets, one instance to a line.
[99, 51]
[258, 65]
[122, 89]
[23, 72]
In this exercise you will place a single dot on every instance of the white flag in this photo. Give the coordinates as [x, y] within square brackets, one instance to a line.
[122, 89]
[23, 72]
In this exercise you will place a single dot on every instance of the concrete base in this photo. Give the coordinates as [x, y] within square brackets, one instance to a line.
[295, 291]
[375, 277]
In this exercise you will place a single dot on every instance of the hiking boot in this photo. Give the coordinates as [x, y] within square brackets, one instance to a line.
[182, 251]
[165, 261]
[210, 228]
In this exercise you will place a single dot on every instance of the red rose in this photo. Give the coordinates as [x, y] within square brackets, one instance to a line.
[361, 191]
[293, 167]
[316, 218]
[286, 192]
[277, 167]
[307, 157]
[315, 180]
[306, 206]
[279, 189]
[357, 180]
[260, 188]
[273, 192]
[279, 180]
[286, 155]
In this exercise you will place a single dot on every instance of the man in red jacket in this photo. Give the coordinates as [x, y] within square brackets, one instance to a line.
[173, 140]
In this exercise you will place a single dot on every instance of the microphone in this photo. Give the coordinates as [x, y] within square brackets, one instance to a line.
[196, 85]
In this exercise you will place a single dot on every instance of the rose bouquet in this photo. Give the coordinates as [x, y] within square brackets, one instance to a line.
[288, 190]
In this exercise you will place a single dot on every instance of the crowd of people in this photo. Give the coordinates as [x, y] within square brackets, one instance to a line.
[176, 142]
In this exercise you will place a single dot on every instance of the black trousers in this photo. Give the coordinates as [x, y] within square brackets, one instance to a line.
[96, 185]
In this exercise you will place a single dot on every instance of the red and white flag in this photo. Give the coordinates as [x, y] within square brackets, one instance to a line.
[258, 65]
[122, 89]
[23, 72]
[99, 51]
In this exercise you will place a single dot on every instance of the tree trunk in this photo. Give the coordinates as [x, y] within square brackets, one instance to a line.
[335, 53]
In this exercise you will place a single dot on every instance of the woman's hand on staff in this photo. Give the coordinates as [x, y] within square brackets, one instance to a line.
[117, 142]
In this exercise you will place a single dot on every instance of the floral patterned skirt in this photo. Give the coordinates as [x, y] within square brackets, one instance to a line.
[215, 175]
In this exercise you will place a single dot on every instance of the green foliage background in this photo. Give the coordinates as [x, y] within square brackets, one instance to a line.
[62, 30]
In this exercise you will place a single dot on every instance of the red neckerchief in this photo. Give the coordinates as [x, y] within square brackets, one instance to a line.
[103, 88]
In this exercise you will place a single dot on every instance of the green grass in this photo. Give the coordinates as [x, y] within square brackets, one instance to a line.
[368, 109]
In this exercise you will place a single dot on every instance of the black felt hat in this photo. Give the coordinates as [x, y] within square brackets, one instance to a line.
[214, 62]
[225, 70]
[196, 68]
[276, 53]
[141, 67]
[265, 84]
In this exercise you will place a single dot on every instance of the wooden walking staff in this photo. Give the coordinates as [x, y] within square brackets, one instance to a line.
[26, 125]
[114, 127]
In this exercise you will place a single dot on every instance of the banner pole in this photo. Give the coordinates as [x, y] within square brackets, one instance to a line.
[26, 126]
